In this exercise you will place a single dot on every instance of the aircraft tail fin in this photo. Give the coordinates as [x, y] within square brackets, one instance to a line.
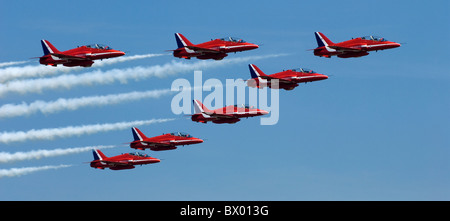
[255, 72]
[98, 155]
[182, 41]
[137, 134]
[200, 108]
[48, 47]
[322, 40]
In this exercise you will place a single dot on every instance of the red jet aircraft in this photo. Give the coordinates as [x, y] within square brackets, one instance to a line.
[215, 49]
[287, 79]
[229, 114]
[356, 47]
[81, 56]
[120, 162]
[163, 142]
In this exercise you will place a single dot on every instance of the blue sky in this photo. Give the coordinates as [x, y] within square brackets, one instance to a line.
[377, 129]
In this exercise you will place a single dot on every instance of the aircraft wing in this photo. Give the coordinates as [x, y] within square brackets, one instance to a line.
[203, 50]
[280, 80]
[348, 49]
[70, 57]
[178, 141]
[167, 143]
[158, 144]
[116, 163]
[223, 116]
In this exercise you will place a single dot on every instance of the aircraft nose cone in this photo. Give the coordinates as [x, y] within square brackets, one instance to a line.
[198, 140]
[117, 53]
[263, 112]
[394, 45]
[253, 46]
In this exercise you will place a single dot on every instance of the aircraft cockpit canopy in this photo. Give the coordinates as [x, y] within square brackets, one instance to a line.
[139, 154]
[304, 70]
[233, 39]
[180, 134]
[373, 38]
[99, 46]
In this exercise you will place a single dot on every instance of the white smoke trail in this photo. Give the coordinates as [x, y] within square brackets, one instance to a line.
[124, 59]
[6, 157]
[26, 170]
[11, 73]
[5, 64]
[121, 75]
[47, 107]
[52, 133]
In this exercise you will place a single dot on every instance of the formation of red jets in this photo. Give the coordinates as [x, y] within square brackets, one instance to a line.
[216, 49]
